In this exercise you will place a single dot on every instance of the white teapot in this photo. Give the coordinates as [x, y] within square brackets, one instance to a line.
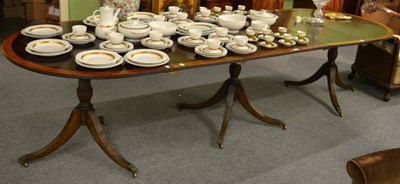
[107, 22]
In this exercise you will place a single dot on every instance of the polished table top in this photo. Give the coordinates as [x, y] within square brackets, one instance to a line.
[335, 33]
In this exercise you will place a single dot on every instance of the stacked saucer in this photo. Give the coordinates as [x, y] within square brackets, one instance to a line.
[91, 20]
[245, 49]
[146, 58]
[123, 47]
[206, 28]
[178, 21]
[48, 47]
[142, 16]
[205, 51]
[79, 40]
[190, 42]
[169, 15]
[42, 31]
[161, 44]
[98, 59]
[226, 39]
[210, 18]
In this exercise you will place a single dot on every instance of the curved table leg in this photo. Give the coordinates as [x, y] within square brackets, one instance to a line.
[83, 114]
[218, 96]
[233, 89]
[67, 132]
[330, 70]
[244, 101]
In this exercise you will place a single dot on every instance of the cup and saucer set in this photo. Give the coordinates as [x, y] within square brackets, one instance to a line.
[268, 42]
[241, 45]
[156, 41]
[181, 18]
[172, 12]
[206, 16]
[194, 39]
[48, 47]
[42, 31]
[206, 28]
[282, 31]
[116, 43]
[287, 40]
[212, 49]
[301, 38]
[222, 34]
[78, 36]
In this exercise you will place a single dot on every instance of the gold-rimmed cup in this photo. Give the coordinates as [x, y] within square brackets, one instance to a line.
[268, 39]
[250, 33]
[287, 37]
[282, 30]
[301, 35]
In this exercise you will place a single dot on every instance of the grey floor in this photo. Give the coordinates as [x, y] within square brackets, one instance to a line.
[169, 146]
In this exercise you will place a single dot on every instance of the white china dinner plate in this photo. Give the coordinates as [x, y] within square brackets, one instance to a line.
[120, 61]
[97, 57]
[48, 45]
[189, 42]
[147, 64]
[148, 57]
[43, 30]
[48, 54]
[143, 16]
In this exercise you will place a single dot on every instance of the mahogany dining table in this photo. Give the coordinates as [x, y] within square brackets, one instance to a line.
[334, 34]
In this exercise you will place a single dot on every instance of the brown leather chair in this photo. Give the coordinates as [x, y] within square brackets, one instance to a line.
[381, 167]
[379, 61]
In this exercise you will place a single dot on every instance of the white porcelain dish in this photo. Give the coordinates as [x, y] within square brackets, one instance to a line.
[134, 29]
[270, 18]
[142, 16]
[269, 46]
[84, 39]
[204, 51]
[226, 39]
[119, 62]
[210, 19]
[177, 21]
[48, 54]
[245, 49]
[146, 57]
[189, 42]
[121, 48]
[233, 22]
[97, 57]
[287, 44]
[43, 30]
[160, 45]
[48, 45]
[167, 28]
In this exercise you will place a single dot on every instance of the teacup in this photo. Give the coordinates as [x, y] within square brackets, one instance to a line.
[228, 8]
[268, 39]
[202, 8]
[214, 43]
[79, 30]
[241, 7]
[258, 25]
[287, 37]
[155, 35]
[267, 31]
[182, 15]
[250, 33]
[301, 35]
[195, 33]
[241, 40]
[282, 30]
[159, 18]
[226, 12]
[217, 9]
[205, 12]
[221, 31]
[174, 9]
[116, 38]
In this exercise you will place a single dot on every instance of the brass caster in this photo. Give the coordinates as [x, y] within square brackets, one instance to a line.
[340, 113]
[23, 163]
[101, 119]
[221, 146]
[283, 126]
[179, 106]
[133, 170]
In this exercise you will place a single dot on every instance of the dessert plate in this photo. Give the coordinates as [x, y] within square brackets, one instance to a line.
[189, 42]
[204, 51]
[42, 31]
[226, 39]
[79, 40]
[146, 57]
[48, 46]
[120, 48]
[210, 19]
[120, 61]
[98, 57]
[48, 54]
[160, 44]
[245, 49]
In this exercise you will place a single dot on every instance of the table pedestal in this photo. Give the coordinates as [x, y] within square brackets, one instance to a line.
[331, 71]
[232, 89]
[82, 114]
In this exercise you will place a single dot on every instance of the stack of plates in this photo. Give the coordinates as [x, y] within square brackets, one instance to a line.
[119, 48]
[203, 50]
[42, 31]
[169, 15]
[226, 39]
[178, 21]
[146, 58]
[189, 42]
[211, 18]
[90, 21]
[206, 28]
[142, 16]
[245, 49]
[79, 40]
[48, 47]
[98, 59]
[160, 44]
